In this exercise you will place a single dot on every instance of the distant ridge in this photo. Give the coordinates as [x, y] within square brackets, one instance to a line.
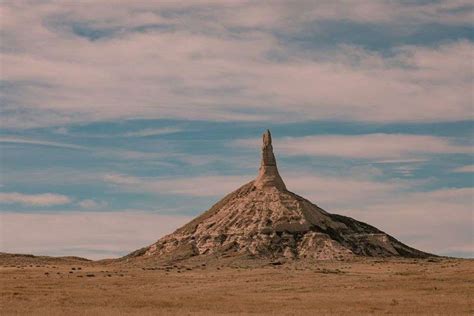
[262, 219]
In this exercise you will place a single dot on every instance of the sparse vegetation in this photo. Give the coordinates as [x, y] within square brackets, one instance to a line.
[242, 287]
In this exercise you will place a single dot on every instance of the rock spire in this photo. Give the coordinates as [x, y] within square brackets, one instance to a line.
[268, 175]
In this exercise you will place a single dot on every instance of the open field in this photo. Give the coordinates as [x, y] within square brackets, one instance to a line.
[395, 286]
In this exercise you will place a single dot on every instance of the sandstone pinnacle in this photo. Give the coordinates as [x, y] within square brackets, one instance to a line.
[268, 176]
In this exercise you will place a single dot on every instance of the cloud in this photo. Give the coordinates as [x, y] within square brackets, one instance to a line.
[16, 140]
[385, 12]
[138, 133]
[44, 199]
[212, 61]
[398, 161]
[192, 186]
[465, 169]
[383, 147]
[344, 192]
[92, 204]
[94, 235]
[153, 132]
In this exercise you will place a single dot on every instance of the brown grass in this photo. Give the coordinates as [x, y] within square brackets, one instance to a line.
[443, 287]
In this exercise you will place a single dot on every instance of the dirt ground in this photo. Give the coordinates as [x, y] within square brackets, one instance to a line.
[362, 286]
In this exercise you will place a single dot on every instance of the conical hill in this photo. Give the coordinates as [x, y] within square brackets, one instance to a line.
[263, 219]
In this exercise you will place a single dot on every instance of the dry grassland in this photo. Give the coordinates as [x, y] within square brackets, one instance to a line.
[440, 286]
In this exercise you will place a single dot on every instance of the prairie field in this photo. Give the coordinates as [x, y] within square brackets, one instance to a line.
[32, 286]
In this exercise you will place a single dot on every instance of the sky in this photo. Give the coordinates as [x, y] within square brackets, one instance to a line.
[120, 122]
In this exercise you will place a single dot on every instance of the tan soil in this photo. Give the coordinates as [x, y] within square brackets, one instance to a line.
[36, 286]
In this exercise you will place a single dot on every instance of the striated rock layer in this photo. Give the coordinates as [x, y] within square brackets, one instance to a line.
[263, 219]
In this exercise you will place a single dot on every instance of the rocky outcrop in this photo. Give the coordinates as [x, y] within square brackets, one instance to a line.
[268, 175]
[263, 219]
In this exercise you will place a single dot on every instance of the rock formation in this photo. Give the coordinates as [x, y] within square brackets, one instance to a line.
[268, 175]
[265, 220]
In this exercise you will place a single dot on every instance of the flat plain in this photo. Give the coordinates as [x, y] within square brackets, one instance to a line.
[49, 286]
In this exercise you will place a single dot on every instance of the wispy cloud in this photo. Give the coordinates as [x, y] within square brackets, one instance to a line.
[16, 140]
[400, 161]
[92, 204]
[136, 133]
[44, 199]
[153, 132]
[191, 186]
[382, 147]
[465, 169]
[345, 192]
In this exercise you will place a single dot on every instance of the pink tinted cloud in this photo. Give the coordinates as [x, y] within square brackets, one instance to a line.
[43, 199]
[199, 75]
[391, 147]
